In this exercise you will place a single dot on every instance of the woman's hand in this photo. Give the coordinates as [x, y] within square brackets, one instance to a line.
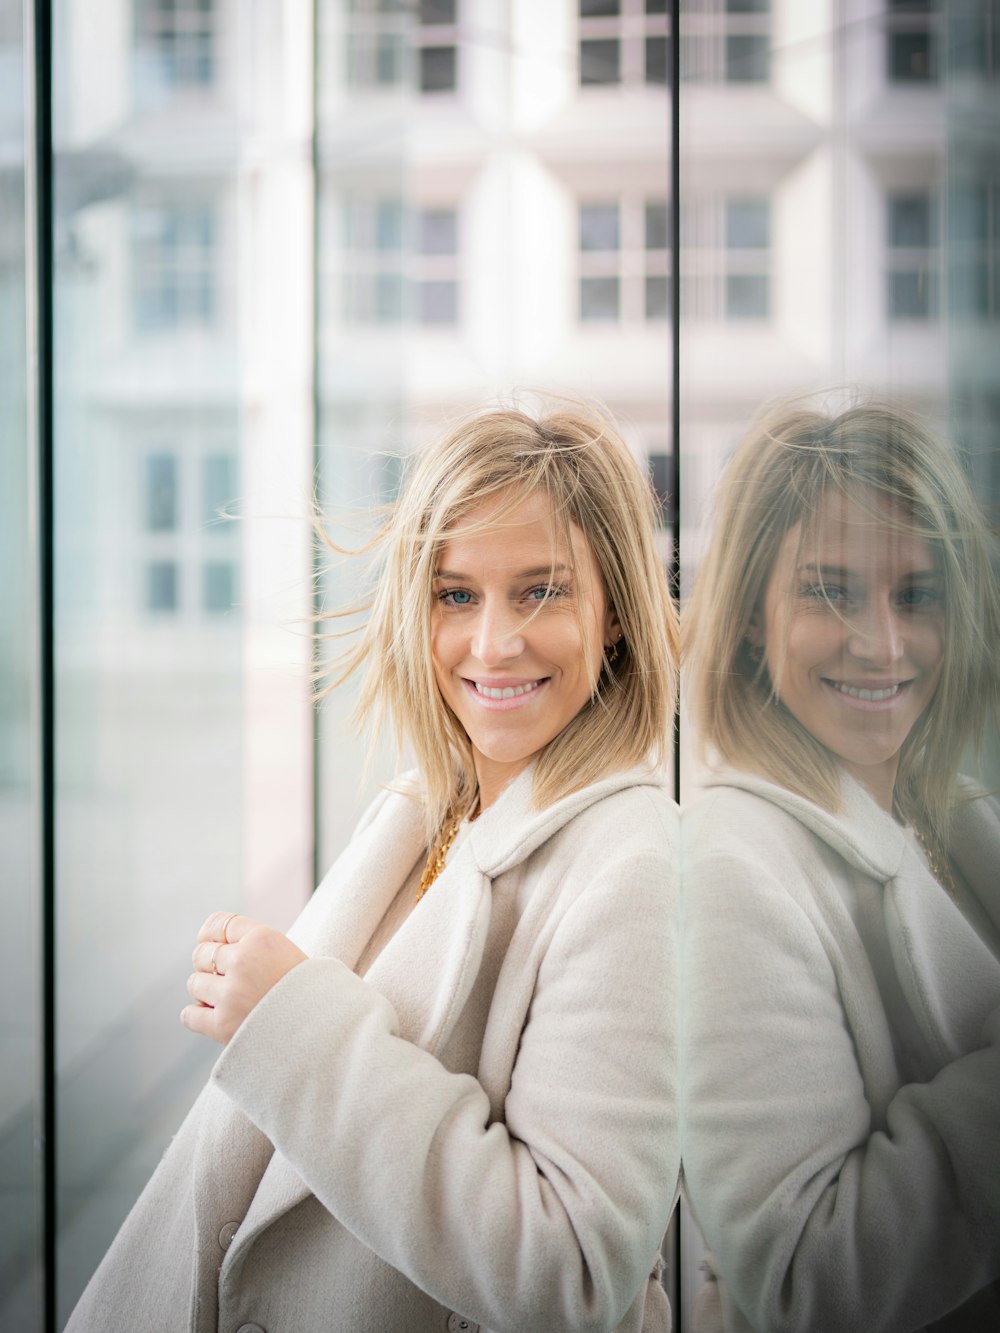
[238, 960]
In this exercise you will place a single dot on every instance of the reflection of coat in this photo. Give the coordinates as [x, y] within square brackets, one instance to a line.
[819, 955]
[490, 1112]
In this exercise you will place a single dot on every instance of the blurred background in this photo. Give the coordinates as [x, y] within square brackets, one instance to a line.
[290, 243]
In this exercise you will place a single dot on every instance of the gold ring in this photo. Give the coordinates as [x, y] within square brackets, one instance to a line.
[212, 963]
[225, 926]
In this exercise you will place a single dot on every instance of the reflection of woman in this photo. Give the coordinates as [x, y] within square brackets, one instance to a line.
[841, 904]
[445, 1099]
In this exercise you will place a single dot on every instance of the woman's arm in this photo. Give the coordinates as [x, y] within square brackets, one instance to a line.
[548, 1219]
[817, 1220]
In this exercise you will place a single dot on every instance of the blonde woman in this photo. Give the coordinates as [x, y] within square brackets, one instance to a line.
[841, 903]
[446, 1098]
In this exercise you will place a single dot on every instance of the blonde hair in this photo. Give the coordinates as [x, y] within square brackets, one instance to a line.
[580, 462]
[888, 463]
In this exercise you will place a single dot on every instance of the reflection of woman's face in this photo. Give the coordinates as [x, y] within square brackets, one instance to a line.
[509, 656]
[862, 632]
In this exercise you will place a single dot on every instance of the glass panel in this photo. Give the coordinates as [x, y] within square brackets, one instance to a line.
[505, 265]
[184, 758]
[822, 276]
[21, 1282]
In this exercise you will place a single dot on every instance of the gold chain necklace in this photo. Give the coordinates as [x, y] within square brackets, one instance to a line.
[437, 855]
[937, 861]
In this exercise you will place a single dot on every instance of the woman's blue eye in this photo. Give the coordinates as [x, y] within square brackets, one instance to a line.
[825, 592]
[544, 591]
[456, 597]
[918, 598]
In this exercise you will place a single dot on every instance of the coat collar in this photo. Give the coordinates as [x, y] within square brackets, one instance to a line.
[948, 974]
[866, 836]
[511, 829]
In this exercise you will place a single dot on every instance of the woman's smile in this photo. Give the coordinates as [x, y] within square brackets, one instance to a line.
[503, 694]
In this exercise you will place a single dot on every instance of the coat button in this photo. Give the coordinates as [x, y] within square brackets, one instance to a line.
[250, 1328]
[456, 1324]
[227, 1233]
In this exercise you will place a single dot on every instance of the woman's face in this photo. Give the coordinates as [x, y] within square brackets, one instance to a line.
[853, 631]
[518, 629]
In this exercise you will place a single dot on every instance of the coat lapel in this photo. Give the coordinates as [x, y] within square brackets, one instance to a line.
[950, 978]
[425, 971]
[948, 975]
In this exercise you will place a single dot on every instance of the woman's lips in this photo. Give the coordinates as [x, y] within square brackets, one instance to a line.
[873, 696]
[503, 696]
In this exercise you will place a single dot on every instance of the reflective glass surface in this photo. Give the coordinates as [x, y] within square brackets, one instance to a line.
[20, 742]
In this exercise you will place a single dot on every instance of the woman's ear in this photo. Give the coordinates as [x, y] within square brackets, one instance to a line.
[612, 629]
[755, 631]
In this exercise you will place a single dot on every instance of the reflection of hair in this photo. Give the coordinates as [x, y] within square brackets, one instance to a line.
[586, 470]
[892, 466]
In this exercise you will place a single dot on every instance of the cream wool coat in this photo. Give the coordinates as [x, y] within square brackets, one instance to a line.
[833, 1195]
[482, 1130]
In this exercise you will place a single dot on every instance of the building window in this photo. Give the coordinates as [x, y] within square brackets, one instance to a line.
[726, 41]
[376, 45]
[623, 41]
[436, 38]
[218, 489]
[912, 41]
[218, 586]
[435, 277]
[393, 265]
[661, 476]
[161, 586]
[175, 42]
[913, 256]
[726, 258]
[974, 250]
[174, 267]
[974, 39]
[391, 41]
[182, 538]
[161, 493]
[624, 260]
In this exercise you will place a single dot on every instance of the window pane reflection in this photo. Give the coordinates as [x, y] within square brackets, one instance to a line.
[21, 1279]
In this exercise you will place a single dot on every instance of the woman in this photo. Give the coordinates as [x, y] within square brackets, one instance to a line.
[446, 1098]
[841, 906]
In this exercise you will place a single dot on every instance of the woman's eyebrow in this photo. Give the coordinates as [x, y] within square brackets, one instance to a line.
[539, 571]
[841, 572]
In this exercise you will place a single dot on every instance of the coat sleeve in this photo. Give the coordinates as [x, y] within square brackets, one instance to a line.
[549, 1218]
[817, 1219]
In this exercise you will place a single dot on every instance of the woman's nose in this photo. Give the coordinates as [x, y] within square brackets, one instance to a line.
[497, 636]
[876, 635]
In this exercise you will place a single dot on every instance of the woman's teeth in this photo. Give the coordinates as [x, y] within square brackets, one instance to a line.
[508, 692]
[874, 696]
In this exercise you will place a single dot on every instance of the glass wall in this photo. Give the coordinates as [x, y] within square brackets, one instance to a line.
[838, 243]
[183, 453]
[20, 737]
[482, 235]
[293, 244]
